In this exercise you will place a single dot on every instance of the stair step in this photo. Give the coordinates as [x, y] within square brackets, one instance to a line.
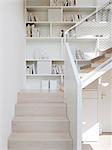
[41, 100]
[41, 109]
[39, 95]
[40, 141]
[40, 124]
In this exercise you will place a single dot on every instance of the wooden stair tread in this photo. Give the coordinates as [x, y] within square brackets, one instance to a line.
[40, 118]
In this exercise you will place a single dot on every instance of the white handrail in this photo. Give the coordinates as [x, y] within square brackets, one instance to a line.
[83, 20]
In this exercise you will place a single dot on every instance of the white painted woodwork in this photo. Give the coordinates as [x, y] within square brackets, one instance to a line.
[72, 89]
[105, 102]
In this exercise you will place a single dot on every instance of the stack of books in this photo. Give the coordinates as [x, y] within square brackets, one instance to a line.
[72, 17]
[32, 17]
[62, 2]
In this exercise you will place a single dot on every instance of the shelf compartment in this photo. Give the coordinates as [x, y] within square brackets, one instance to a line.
[75, 15]
[43, 30]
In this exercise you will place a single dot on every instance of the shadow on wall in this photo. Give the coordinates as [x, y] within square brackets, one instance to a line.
[86, 147]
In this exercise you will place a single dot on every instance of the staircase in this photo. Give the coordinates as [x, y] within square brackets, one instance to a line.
[40, 122]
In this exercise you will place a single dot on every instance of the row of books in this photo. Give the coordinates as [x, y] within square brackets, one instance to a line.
[62, 2]
[32, 17]
[57, 69]
[72, 17]
[31, 69]
[32, 31]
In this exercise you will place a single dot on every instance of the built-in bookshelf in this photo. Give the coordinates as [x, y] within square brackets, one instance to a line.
[46, 21]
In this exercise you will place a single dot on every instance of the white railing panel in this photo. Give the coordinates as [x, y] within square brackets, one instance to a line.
[73, 96]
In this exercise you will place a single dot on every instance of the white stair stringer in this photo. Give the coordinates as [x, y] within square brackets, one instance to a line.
[98, 72]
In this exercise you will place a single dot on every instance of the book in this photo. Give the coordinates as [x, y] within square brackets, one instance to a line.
[45, 84]
[53, 85]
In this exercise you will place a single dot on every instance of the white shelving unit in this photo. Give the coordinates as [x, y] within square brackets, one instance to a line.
[49, 21]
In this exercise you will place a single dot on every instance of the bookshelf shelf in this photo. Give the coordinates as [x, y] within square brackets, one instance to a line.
[46, 22]
[45, 75]
[56, 60]
[34, 8]
[43, 38]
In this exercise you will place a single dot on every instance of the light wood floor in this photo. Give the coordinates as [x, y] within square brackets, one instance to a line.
[105, 143]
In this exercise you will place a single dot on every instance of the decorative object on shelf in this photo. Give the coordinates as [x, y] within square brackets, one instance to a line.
[30, 17]
[28, 30]
[62, 33]
[27, 70]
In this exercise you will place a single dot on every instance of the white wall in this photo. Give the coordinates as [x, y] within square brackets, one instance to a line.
[90, 126]
[12, 47]
[105, 102]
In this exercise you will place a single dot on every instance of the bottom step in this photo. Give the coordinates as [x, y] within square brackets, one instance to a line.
[35, 141]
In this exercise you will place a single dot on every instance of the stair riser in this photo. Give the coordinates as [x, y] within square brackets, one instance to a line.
[41, 111]
[40, 100]
[40, 126]
[40, 145]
